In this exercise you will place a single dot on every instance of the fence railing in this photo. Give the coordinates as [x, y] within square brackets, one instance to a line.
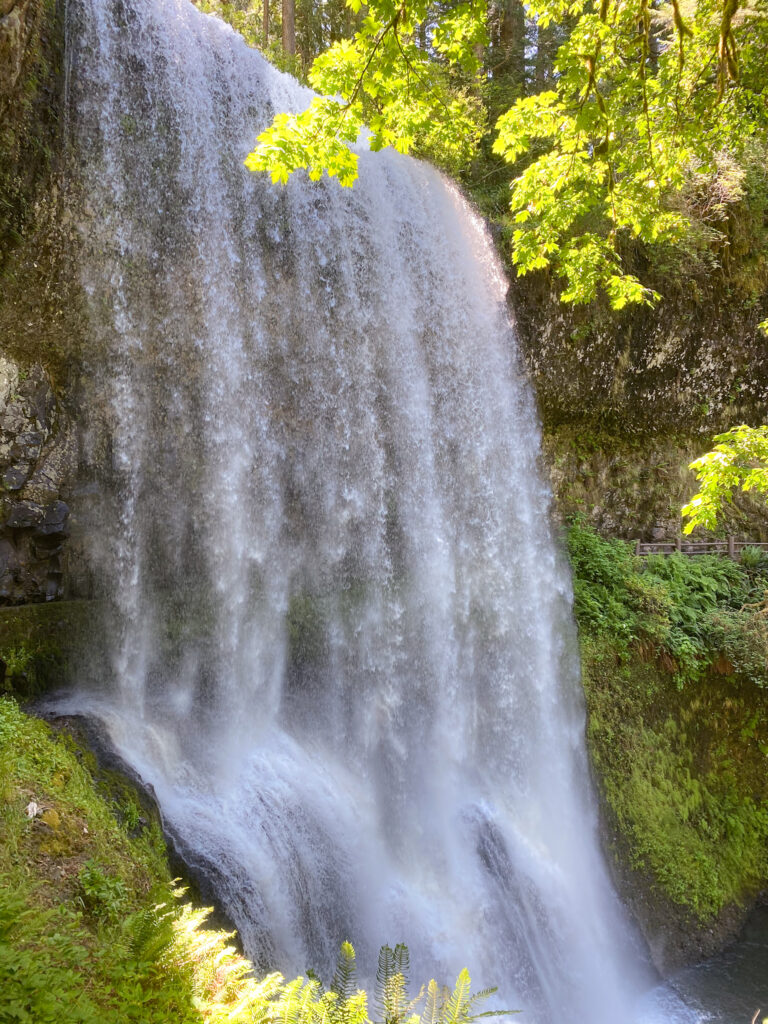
[730, 547]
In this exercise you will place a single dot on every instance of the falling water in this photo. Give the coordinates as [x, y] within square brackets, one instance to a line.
[341, 646]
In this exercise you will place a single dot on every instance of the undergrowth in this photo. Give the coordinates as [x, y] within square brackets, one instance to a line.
[93, 931]
[692, 614]
[675, 669]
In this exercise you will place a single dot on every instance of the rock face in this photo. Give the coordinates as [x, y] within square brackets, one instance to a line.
[14, 34]
[38, 462]
[692, 366]
[627, 400]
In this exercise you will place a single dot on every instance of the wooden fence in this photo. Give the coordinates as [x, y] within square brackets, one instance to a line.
[730, 547]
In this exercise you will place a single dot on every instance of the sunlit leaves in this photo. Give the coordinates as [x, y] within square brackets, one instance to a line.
[315, 140]
[461, 34]
[383, 81]
[641, 105]
[626, 128]
[738, 460]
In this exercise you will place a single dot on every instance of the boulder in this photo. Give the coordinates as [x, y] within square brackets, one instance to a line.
[24, 515]
[55, 518]
[16, 476]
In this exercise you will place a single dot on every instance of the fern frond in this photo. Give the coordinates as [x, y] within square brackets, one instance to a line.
[484, 993]
[384, 971]
[314, 976]
[408, 1010]
[402, 960]
[455, 1010]
[395, 999]
[431, 1012]
[309, 996]
[356, 1008]
[493, 1013]
[288, 1006]
[344, 981]
[386, 966]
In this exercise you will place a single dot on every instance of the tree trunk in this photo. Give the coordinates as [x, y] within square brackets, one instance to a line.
[289, 26]
[511, 58]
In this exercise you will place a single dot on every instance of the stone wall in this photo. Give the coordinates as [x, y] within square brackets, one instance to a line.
[40, 313]
[16, 27]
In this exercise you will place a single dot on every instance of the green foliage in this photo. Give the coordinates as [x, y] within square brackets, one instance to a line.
[344, 982]
[753, 557]
[29, 669]
[37, 641]
[739, 460]
[681, 766]
[102, 895]
[646, 128]
[92, 931]
[245, 18]
[689, 611]
[684, 782]
[392, 973]
[634, 117]
[382, 81]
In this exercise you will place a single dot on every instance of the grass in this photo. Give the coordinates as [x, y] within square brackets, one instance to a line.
[92, 928]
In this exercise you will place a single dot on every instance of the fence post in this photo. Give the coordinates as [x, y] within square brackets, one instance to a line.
[637, 547]
[679, 543]
[732, 547]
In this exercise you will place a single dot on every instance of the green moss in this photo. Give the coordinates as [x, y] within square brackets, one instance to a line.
[28, 123]
[75, 891]
[675, 670]
[683, 777]
[38, 643]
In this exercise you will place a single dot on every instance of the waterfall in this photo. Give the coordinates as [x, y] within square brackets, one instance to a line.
[341, 647]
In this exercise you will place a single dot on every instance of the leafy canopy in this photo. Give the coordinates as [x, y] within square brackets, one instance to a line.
[645, 95]
[381, 80]
[739, 460]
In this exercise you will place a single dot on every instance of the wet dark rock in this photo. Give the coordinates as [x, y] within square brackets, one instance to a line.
[53, 587]
[55, 518]
[13, 421]
[13, 39]
[38, 462]
[27, 446]
[16, 476]
[39, 398]
[24, 515]
[47, 547]
[9, 564]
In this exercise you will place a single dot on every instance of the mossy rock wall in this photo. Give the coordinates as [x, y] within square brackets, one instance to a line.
[43, 645]
[694, 365]
[633, 487]
[684, 789]
[674, 658]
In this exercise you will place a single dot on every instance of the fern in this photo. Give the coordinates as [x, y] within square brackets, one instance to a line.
[455, 1010]
[344, 981]
[392, 983]
[433, 1005]
[442, 1006]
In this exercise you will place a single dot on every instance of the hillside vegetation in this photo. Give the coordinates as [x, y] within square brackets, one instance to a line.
[675, 668]
[94, 931]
